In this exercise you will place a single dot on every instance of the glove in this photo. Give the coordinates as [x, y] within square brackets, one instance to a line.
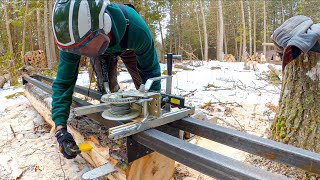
[67, 145]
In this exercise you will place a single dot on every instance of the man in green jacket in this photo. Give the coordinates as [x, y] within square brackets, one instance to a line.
[102, 31]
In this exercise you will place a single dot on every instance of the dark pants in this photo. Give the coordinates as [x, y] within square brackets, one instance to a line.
[105, 68]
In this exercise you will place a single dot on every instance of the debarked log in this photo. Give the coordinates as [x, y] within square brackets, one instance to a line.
[84, 130]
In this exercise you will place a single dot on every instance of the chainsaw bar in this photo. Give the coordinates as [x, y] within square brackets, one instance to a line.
[100, 171]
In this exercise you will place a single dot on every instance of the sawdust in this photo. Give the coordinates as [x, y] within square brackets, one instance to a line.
[32, 153]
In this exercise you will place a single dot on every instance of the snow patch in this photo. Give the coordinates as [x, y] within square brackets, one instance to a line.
[314, 73]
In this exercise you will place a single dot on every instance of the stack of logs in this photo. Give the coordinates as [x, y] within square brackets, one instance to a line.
[35, 59]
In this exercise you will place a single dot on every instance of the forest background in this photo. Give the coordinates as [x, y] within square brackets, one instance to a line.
[197, 29]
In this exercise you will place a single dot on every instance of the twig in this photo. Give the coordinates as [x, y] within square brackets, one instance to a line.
[242, 128]
[185, 95]
[64, 174]
[14, 134]
[229, 124]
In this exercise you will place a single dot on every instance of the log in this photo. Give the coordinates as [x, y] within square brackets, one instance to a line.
[3, 79]
[152, 166]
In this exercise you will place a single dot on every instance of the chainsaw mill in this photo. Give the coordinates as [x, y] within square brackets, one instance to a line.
[138, 122]
[140, 109]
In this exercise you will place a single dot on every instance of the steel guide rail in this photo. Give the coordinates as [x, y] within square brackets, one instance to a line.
[259, 146]
[200, 159]
[266, 148]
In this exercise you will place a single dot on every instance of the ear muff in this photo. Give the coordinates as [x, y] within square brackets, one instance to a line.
[107, 24]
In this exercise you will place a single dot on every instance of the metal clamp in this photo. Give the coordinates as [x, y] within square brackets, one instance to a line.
[136, 127]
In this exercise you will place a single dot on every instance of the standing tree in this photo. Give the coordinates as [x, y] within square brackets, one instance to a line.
[250, 29]
[244, 41]
[52, 45]
[46, 36]
[6, 16]
[264, 27]
[199, 30]
[254, 29]
[40, 38]
[220, 34]
[297, 121]
[205, 34]
[24, 31]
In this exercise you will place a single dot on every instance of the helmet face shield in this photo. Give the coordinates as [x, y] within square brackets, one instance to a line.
[97, 46]
[93, 45]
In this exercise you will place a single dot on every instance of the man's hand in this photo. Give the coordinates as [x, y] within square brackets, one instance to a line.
[67, 145]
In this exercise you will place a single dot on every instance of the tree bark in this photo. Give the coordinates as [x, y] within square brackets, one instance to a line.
[254, 29]
[235, 42]
[282, 11]
[162, 43]
[31, 40]
[297, 121]
[225, 42]
[240, 47]
[171, 29]
[40, 38]
[244, 41]
[8, 27]
[24, 32]
[264, 27]
[46, 36]
[250, 28]
[51, 38]
[220, 33]
[199, 30]
[179, 29]
[205, 34]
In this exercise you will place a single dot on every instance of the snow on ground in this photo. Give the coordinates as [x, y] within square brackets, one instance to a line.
[235, 98]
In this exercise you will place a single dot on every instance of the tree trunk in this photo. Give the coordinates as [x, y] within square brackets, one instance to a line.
[254, 29]
[152, 166]
[199, 30]
[282, 11]
[220, 33]
[51, 38]
[235, 42]
[8, 27]
[31, 40]
[179, 29]
[240, 47]
[40, 39]
[225, 42]
[264, 27]
[244, 41]
[297, 121]
[24, 32]
[250, 28]
[11, 65]
[205, 35]
[46, 36]
[171, 29]
[162, 44]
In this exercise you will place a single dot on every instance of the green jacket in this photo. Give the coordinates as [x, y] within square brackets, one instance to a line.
[139, 40]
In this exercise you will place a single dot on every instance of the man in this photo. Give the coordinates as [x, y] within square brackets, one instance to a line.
[102, 31]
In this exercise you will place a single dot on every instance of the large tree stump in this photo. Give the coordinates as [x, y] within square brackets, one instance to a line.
[297, 122]
[153, 166]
